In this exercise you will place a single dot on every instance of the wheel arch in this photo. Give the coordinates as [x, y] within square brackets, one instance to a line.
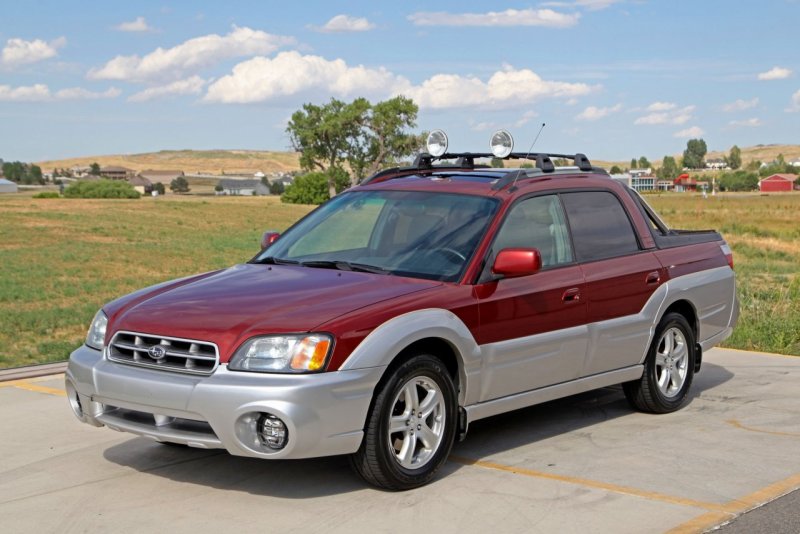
[687, 309]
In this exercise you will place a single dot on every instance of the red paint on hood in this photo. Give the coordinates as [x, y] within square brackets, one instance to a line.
[233, 305]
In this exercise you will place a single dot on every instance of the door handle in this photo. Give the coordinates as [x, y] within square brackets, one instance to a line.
[571, 295]
[653, 278]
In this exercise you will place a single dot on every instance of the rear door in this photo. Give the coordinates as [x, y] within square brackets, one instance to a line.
[533, 331]
[620, 279]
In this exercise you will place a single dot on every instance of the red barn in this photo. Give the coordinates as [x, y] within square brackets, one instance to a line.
[777, 183]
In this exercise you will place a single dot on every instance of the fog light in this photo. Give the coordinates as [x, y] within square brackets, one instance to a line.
[272, 431]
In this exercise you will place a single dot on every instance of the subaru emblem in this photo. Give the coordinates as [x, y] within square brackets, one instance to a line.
[157, 352]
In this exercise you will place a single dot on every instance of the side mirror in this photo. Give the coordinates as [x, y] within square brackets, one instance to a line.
[514, 262]
[269, 237]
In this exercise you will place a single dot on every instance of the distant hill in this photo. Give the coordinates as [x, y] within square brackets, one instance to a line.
[250, 161]
[191, 161]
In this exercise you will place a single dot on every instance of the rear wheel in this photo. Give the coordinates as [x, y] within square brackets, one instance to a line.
[668, 368]
[411, 426]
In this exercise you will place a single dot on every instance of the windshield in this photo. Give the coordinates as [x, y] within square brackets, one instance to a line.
[417, 234]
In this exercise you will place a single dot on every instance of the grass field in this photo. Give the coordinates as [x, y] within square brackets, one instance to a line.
[62, 259]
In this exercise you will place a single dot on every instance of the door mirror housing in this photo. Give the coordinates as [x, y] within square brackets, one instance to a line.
[269, 237]
[515, 262]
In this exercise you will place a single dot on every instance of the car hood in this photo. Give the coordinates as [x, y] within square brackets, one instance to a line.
[229, 306]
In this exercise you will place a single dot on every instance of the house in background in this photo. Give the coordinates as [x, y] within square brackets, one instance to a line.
[232, 186]
[79, 172]
[716, 164]
[116, 172]
[141, 184]
[7, 186]
[794, 162]
[165, 177]
[685, 183]
[777, 183]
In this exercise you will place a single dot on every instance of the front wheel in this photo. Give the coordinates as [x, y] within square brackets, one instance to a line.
[411, 426]
[668, 368]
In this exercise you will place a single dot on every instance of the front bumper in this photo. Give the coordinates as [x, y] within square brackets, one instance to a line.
[324, 413]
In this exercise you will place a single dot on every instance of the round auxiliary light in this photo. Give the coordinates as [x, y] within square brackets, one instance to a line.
[437, 143]
[502, 144]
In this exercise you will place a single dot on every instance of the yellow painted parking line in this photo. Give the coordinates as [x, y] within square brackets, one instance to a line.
[735, 423]
[737, 507]
[625, 490]
[15, 383]
[28, 386]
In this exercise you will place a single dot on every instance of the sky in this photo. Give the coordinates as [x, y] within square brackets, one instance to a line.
[614, 79]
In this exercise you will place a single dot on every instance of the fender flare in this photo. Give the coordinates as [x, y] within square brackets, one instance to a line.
[389, 339]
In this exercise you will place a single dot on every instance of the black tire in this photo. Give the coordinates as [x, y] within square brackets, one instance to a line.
[667, 377]
[378, 460]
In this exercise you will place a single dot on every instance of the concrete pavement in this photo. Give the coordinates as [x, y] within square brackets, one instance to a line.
[583, 464]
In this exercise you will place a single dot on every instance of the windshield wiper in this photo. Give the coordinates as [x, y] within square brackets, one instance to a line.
[272, 260]
[345, 266]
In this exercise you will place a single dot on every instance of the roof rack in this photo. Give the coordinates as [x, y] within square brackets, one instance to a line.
[423, 164]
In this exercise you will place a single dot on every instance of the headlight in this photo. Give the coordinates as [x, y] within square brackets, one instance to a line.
[283, 354]
[96, 337]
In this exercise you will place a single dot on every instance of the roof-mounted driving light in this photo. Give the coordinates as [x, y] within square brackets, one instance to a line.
[437, 143]
[502, 144]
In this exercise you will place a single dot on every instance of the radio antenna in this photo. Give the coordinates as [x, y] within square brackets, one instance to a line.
[534, 141]
[528, 154]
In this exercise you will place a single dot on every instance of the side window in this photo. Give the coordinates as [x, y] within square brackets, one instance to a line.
[600, 226]
[539, 223]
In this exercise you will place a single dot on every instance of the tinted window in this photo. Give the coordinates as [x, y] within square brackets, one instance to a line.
[600, 226]
[537, 223]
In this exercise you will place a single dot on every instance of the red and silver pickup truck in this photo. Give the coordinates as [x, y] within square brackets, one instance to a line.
[385, 321]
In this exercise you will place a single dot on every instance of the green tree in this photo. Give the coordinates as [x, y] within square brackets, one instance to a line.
[615, 170]
[159, 188]
[312, 188]
[179, 185]
[276, 188]
[695, 153]
[364, 136]
[94, 169]
[101, 189]
[734, 159]
[643, 163]
[633, 163]
[669, 169]
[497, 163]
[218, 188]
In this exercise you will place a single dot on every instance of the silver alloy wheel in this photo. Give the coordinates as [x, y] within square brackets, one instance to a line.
[672, 362]
[417, 422]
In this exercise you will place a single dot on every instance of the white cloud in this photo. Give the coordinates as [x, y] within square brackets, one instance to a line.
[505, 88]
[740, 105]
[260, 79]
[525, 119]
[41, 93]
[662, 106]
[693, 132]
[593, 113]
[346, 23]
[775, 73]
[30, 93]
[139, 24]
[795, 105]
[163, 65]
[21, 52]
[190, 86]
[509, 17]
[672, 116]
[79, 93]
[750, 123]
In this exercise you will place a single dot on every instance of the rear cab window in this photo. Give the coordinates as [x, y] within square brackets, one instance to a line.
[600, 225]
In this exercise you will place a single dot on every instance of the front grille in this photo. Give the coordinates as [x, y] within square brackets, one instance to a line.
[164, 353]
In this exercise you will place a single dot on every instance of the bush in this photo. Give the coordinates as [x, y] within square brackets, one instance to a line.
[47, 194]
[101, 189]
[179, 185]
[312, 188]
[276, 188]
[158, 187]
